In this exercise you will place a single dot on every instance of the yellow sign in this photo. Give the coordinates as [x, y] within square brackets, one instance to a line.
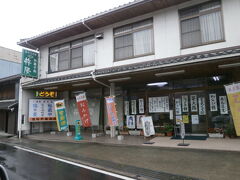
[46, 94]
[185, 119]
[233, 94]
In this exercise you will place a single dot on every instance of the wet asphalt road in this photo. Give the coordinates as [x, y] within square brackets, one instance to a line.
[21, 165]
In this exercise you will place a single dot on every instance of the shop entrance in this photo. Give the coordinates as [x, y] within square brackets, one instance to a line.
[190, 107]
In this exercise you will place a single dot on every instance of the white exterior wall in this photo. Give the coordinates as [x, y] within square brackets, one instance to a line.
[166, 38]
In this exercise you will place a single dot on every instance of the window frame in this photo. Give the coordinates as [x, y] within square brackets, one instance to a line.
[70, 54]
[219, 9]
[131, 32]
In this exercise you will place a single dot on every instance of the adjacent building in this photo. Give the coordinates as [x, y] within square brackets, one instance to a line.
[9, 84]
[165, 59]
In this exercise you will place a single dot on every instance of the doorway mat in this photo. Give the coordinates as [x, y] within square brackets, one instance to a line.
[190, 137]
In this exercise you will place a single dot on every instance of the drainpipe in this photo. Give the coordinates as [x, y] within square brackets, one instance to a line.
[112, 93]
[34, 47]
[99, 82]
[90, 29]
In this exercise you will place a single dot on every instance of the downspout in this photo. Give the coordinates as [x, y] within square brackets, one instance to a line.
[83, 22]
[93, 72]
[97, 81]
[34, 47]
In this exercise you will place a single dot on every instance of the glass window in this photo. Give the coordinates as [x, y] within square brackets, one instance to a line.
[53, 64]
[201, 24]
[63, 60]
[76, 57]
[81, 53]
[88, 54]
[133, 40]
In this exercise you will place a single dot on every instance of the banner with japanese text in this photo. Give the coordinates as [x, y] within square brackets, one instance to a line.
[29, 64]
[233, 94]
[41, 110]
[61, 115]
[111, 111]
[83, 109]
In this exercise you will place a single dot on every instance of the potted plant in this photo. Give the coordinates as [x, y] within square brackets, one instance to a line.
[230, 130]
[124, 130]
[215, 132]
[159, 131]
[168, 129]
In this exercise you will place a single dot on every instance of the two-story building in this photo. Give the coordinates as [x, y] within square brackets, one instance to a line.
[166, 59]
[10, 69]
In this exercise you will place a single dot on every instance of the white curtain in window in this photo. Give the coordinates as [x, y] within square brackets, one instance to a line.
[88, 54]
[143, 42]
[53, 62]
[211, 27]
[190, 30]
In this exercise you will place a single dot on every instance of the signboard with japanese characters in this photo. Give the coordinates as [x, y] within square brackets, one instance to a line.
[139, 121]
[179, 119]
[195, 119]
[202, 106]
[133, 107]
[141, 106]
[41, 110]
[178, 107]
[111, 111]
[46, 94]
[126, 108]
[185, 103]
[148, 128]
[223, 105]
[61, 114]
[83, 109]
[29, 64]
[213, 102]
[233, 95]
[159, 104]
[193, 101]
[131, 121]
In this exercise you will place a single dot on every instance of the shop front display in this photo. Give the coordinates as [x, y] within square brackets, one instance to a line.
[202, 107]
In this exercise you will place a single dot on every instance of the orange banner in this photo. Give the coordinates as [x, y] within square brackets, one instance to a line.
[111, 110]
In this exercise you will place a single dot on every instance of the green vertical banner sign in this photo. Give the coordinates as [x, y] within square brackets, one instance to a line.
[29, 64]
[61, 115]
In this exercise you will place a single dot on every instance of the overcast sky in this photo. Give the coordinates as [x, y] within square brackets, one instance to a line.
[21, 19]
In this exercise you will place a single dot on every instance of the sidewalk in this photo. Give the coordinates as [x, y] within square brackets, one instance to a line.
[222, 144]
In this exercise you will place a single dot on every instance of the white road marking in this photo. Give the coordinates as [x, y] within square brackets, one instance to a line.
[77, 164]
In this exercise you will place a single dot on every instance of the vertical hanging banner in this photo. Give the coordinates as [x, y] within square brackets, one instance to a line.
[193, 100]
[134, 106]
[202, 106]
[141, 106]
[29, 64]
[83, 109]
[111, 111]
[126, 108]
[213, 102]
[223, 105]
[185, 103]
[61, 115]
[233, 94]
[178, 108]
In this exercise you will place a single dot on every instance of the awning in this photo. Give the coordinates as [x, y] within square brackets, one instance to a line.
[8, 104]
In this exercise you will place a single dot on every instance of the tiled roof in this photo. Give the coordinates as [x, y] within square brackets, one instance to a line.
[143, 65]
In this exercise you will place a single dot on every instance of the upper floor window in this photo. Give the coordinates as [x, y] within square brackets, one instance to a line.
[76, 54]
[133, 40]
[201, 24]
